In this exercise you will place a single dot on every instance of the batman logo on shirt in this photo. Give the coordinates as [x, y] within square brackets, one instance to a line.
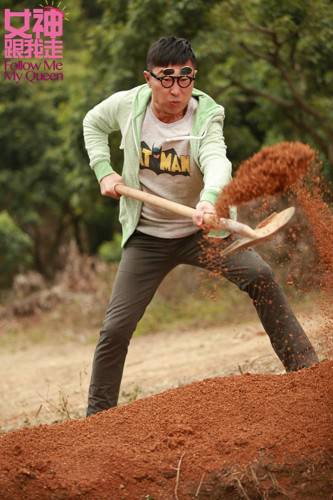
[164, 162]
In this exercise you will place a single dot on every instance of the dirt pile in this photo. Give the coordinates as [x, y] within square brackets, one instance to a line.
[235, 437]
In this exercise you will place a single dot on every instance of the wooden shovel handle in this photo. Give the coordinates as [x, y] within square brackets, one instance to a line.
[157, 201]
[251, 237]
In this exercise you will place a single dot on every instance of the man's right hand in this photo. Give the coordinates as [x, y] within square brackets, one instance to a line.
[108, 183]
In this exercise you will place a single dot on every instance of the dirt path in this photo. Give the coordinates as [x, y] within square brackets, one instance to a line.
[47, 383]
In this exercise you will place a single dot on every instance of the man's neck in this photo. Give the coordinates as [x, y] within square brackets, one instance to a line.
[167, 117]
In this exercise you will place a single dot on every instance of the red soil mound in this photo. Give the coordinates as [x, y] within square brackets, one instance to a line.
[246, 436]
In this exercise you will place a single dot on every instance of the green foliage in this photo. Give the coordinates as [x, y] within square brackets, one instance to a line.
[272, 61]
[110, 251]
[15, 249]
[120, 42]
[45, 179]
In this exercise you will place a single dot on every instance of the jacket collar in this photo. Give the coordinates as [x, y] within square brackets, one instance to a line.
[207, 108]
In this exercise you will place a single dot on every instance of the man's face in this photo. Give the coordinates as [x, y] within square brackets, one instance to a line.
[173, 100]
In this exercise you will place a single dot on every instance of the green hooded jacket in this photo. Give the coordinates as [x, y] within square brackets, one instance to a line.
[125, 111]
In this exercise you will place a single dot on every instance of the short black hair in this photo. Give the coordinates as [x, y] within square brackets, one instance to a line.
[170, 50]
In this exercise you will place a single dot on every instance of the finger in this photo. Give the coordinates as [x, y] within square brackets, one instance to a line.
[109, 192]
[115, 193]
[198, 219]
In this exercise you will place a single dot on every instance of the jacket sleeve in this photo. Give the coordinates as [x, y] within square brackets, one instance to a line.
[213, 161]
[98, 123]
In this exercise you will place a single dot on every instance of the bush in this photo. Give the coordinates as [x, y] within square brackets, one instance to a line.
[110, 251]
[15, 250]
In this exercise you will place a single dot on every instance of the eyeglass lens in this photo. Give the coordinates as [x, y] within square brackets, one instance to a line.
[183, 81]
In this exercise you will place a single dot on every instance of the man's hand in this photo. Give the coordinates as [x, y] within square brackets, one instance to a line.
[108, 183]
[203, 207]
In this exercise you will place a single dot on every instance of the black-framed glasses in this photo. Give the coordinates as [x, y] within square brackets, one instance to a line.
[167, 81]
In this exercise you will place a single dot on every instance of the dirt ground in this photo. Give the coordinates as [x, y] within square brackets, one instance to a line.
[45, 383]
[216, 418]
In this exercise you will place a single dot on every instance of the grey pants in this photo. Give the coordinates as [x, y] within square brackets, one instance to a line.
[145, 262]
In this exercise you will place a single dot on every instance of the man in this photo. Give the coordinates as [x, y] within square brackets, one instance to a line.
[172, 136]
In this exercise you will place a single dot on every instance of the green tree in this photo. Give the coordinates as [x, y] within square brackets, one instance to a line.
[45, 180]
[272, 60]
[15, 249]
[120, 42]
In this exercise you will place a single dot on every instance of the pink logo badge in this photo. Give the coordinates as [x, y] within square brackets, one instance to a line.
[33, 34]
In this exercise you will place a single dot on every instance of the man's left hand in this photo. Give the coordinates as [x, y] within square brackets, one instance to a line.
[202, 208]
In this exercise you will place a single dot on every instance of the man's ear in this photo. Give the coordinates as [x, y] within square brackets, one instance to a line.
[146, 76]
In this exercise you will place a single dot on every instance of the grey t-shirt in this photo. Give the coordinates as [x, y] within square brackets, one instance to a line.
[166, 170]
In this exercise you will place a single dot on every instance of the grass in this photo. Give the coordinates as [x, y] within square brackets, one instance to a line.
[181, 303]
[188, 298]
[195, 311]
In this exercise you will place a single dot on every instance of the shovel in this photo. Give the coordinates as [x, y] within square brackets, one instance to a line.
[249, 237]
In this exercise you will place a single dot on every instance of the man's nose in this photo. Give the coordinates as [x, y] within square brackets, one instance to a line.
[175, 90]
